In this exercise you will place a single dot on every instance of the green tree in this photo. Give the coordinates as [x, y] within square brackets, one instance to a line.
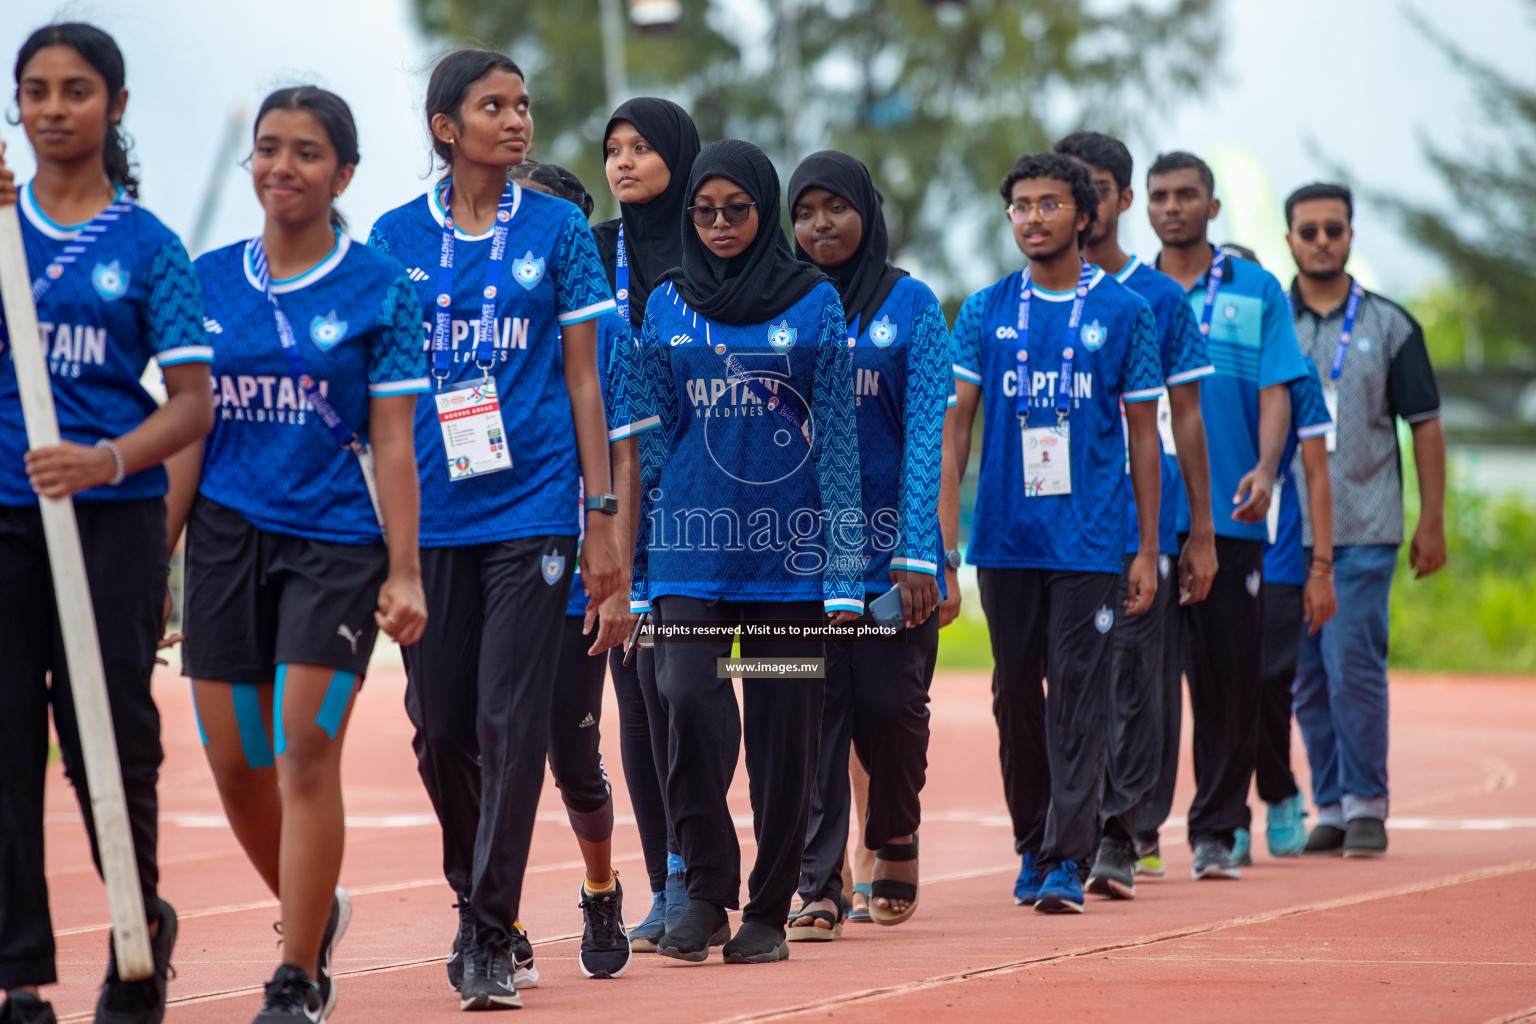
[1486, 234]
[939, 100]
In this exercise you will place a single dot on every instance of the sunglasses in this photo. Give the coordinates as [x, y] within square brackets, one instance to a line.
[735, 214]
[1018, 212]
[1333, 229]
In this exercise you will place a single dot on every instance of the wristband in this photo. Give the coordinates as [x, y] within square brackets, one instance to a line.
[1325, 574]
[117, 459]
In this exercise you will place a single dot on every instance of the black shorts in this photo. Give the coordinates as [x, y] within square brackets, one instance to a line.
[257, 599]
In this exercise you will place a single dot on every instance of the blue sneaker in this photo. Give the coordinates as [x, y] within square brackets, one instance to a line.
[677, 898]
[1027, 886]
[644, 936]
[1287, 828]
[1242, 848]
[1062, 891]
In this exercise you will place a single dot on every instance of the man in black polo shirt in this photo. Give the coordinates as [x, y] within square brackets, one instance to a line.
[1374, 367]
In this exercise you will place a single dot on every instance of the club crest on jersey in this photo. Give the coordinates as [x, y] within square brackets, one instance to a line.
[1164, 565]
[529, 270]
[110, 281]
[781, 337]
[1093, 336]
[1230, 312]
[327, 331]
[553, 568]
[1103, 619]
[1252, 583]
[1364, 344]
[882, 332]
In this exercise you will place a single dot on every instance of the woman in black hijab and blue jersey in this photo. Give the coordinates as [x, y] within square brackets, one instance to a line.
[876, 693]
[742, 383]
[648, 150]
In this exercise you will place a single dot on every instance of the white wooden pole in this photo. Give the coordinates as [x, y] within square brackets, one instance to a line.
[72, 595]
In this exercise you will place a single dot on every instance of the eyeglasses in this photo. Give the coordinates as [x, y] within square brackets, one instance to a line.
[1333, 229]
[736, 214]
[1018, 212]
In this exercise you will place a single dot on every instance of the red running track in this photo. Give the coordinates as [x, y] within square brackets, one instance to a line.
[1438, 931]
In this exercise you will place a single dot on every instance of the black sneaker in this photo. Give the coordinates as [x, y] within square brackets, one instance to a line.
[702, 926]
[605, 948]
[26, 1008]
[1114, 870]
[335, 928]
[291, 998]
[524, 973]
[1213, 860]
[488, 981]
[1365, 837]
[1325, 841]
[756, 943]
[138, 1002]
[461, 942]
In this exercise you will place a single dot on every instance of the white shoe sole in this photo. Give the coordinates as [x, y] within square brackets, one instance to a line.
[343, 919]
[526, 977]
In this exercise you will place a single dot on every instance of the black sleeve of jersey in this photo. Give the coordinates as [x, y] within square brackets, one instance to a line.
[1411, 379]
[606, 234]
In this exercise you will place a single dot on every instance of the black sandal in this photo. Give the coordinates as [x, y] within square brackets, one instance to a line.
[884, 888]
[813, 932]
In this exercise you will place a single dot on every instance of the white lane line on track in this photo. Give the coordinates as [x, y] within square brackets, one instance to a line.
[843, 1000]
[1518, 1017]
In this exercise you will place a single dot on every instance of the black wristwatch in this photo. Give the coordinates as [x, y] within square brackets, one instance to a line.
[608, 503]
[952, 558]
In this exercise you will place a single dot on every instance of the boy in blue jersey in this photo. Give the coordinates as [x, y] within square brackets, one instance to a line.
[1297, 597]
[1148, 663]
[1247, 407]
[877, 693]
[1055, 350]
[510, 303]
[113, 289]
[575, 716]
[752, 476]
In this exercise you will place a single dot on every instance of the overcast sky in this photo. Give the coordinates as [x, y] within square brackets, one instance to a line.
[1348, 79]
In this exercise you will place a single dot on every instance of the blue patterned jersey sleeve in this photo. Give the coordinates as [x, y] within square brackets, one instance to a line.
[1143, 379]
[396, 363]
[837, 465]
[966, 342]
[377, 239]
[653, 416]
[1309, 412]
[581, 286]
[930, 380]
[175, 309]
[1188, 358]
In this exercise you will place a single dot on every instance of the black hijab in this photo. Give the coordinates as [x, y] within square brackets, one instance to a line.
[651, 241]
[765, 279]
[866, 280]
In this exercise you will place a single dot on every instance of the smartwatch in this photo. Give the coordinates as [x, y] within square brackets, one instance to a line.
[952, 558]
[608, 503]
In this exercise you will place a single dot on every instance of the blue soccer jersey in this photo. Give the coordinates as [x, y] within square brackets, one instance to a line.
[750, 470]
[1285, 560]
[1184, 359]
[551, 278]
[1116, 358]
[130, 297]
[901, 385]
[270, 457]
[613, 346]
[1252, 343]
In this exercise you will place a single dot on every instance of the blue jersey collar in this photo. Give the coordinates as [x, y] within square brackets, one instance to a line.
[304, 280]
[46, 224]
[1130, 268]
[435, 204]
[1066, 296]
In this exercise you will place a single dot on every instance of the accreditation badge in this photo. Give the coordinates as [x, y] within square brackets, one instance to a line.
[1047, 460]
[1331, 400]
[473, 436]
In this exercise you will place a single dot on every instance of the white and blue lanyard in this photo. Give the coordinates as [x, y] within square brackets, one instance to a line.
[1351, 310]
[1064, 379]
[1212, 286]
[853, 331]
[442, 316]
[621, 277]
[345, 436]
[76, 248]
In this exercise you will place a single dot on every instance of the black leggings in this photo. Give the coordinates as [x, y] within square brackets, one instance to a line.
[574, 755]
[643, 749]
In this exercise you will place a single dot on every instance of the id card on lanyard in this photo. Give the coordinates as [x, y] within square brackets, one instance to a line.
[1340, 351]
[1047, 450]
[474, 438]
